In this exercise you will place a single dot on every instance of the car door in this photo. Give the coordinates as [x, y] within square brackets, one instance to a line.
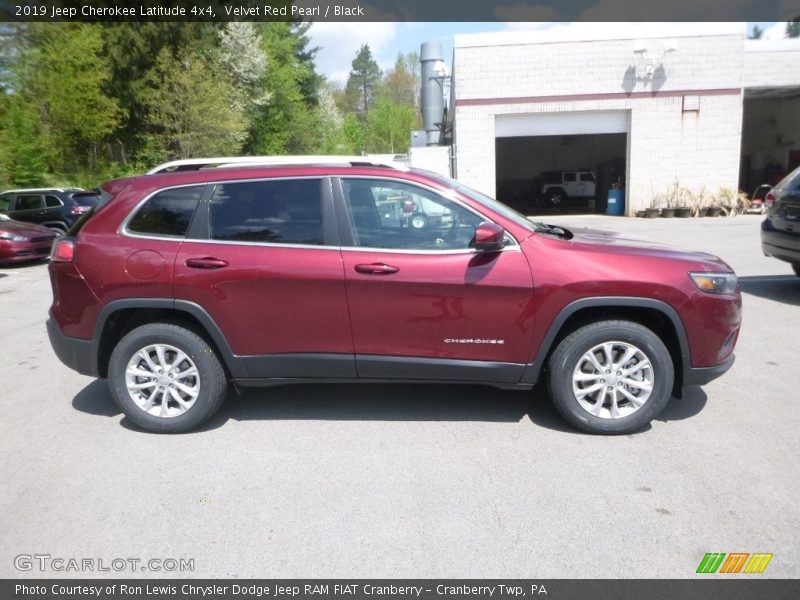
[571, 185]
[423, 303]
[266, 266]
[28, 207]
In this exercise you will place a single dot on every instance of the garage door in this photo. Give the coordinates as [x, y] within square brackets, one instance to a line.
[566, 123]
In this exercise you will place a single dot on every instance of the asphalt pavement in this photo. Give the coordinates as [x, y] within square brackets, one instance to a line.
[410, 481]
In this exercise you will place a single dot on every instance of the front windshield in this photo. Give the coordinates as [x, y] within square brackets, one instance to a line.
[498, 207]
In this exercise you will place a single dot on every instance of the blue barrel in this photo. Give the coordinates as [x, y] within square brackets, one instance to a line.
[616, 203]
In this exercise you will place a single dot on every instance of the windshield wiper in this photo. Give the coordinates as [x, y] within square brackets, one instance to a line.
[552, 230]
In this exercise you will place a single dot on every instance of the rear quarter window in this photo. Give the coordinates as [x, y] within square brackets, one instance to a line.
[167, 213]
[281, 211]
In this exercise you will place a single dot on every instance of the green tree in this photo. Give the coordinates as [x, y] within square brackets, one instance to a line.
[330, 124]
[756, 32]
[66, 76]
[285, 123]
[363, 82]
[401, 83]
[355, 134]
[793, 28]
[22, 155]
[189, 112]
[389, 126]
[131, 50]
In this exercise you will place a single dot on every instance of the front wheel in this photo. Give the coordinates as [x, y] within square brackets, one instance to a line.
[166, 378]
[610, 377]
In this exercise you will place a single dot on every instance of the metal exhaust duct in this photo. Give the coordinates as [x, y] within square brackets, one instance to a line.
[431, 91]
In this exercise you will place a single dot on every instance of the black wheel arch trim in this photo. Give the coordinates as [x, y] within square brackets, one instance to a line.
[534, 369]
[232, 362]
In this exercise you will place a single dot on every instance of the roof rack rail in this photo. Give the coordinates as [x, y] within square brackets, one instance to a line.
[49, 189]
[196, 164]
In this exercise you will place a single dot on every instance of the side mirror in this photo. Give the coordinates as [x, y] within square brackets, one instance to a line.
[489, 237]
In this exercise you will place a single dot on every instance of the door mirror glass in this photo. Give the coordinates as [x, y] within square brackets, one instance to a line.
[489, 237]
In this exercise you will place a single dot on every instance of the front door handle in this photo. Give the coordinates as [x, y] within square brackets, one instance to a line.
[206, 262]
[376, 269]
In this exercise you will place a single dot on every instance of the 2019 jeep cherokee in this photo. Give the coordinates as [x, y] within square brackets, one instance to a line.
[177, 284]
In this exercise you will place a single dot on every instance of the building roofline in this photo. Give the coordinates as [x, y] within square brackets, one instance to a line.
[596, 32]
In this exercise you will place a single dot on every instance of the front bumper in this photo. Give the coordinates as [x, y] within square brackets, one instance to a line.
[702, 375]
[76, 353]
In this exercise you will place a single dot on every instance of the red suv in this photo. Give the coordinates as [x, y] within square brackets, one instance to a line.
[176, 284]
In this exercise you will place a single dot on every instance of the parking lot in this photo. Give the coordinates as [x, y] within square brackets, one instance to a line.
[412, 480]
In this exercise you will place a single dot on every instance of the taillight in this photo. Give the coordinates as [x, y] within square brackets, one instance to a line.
[77, 209]
[63, 251]
[769, 199]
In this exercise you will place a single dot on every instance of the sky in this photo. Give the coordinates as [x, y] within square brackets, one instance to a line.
[339, 42]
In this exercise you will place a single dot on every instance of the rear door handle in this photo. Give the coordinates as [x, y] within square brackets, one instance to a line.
[376, 269]
[206, 262]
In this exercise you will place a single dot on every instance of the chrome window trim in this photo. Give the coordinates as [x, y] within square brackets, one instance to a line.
[125, 232]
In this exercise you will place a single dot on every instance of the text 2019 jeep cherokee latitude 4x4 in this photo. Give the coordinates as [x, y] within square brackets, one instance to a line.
[178, 283]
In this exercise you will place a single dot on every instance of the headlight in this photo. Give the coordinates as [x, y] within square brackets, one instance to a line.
[715, 283]
[13, 237]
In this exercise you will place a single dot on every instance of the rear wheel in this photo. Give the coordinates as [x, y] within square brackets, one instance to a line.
[555, 198]
[59, 231]
[166, 378]
[610, 377]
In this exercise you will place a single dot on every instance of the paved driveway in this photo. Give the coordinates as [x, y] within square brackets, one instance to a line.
[412, 481]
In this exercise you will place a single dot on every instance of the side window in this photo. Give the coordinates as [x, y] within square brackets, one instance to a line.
[587, 177]
[569, 177]
[395, 215]
[168, 212]
[29, 202]
[5, 203]
[52, 202]
[281, 211]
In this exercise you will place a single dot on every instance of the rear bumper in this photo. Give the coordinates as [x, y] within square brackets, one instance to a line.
[76, 353]
[702, 375]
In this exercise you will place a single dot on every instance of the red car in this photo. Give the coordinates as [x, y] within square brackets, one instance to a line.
[22, 242]
[177, 284]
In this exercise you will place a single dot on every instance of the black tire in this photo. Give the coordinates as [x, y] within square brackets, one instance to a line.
[796, 268]
[211, 380]
[565, 359]
[59, 231]
[555, 198]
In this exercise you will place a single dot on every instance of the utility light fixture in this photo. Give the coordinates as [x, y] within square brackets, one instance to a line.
[653, 57]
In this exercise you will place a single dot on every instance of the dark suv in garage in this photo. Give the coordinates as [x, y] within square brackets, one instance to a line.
[780, 231]
[177, 284]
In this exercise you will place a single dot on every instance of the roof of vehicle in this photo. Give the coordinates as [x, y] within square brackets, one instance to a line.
[196, 164]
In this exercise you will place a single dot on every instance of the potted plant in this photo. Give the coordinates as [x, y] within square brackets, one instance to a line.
[728, 201]
[700, 203]
[714, 208]
[668, 209]
[684, 204]
[652, 211]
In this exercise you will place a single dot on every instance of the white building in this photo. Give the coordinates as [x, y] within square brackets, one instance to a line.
[707, 111]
